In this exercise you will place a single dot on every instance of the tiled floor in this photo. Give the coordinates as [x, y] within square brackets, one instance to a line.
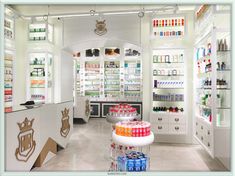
[88, 150]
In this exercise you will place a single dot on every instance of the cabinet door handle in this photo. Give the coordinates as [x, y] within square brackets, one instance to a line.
[160, 119]
[196, 124]
[208, 132]
[208, 144]
[177, 119]
[202, 127]
[196, 133]
[201, 138]
[159, 127]
[177, 128]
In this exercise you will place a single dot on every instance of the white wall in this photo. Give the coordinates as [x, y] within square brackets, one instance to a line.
[66, 77]
[20, 65]
[123, 27]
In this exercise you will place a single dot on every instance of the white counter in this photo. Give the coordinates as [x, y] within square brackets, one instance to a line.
[23, 146]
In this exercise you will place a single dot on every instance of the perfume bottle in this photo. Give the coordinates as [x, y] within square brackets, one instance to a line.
[223, 66]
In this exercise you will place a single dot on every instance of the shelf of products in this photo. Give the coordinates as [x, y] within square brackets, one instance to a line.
[41, 77]
[8, 28]
[119, 77]
[78, 90]
[132, 77]
[213, 80]
[220, 74]
[168, 91]
[9, 57]
[112, 79]
[168, 27]
[92, 78]
[40, 32]
[121, 112]
[8, 83]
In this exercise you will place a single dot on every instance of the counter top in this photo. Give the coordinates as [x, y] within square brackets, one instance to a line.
[27, 107]
[22, 108]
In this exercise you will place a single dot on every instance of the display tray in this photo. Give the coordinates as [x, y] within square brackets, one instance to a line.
[114, 120]
[133, 141]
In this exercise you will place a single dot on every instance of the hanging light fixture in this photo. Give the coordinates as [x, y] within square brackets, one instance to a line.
[100, 26]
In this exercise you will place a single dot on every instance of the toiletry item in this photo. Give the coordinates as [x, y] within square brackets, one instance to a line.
[218, 119]
[209, 48]
[181, 58]
[174, 72]
[218, 66]
[154, 58]
[167, 58]
[223, 66]
[154, 72]
[225, 45]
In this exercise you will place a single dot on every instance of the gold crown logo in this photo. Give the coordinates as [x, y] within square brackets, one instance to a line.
[65, 113]
[25, 125]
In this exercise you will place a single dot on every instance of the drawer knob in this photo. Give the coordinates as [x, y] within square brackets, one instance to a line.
[202, 127]
[208, 132]
[196, 123]
[196, 133]
[160, 119]
[201, 138]
[177, 119]
[177, 128]
[159, 127]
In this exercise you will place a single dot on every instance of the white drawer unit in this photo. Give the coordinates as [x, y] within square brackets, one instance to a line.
[160, 128]
[203, 133]
[177, 120]
[177, 129]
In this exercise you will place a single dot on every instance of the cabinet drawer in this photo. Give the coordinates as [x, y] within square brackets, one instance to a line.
[177, 120]
[160, 128]
[160, 119]
[201, 129]
[177, 129]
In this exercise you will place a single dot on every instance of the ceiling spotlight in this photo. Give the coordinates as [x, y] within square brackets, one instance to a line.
[92, 12]
[141, 14]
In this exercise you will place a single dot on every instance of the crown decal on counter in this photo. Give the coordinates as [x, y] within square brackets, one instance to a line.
[26, 124]
[65, 113]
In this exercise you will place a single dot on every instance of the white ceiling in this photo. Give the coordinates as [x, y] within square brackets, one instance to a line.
[28, 10]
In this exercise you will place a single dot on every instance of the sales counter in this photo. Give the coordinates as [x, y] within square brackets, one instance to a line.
[33, 134]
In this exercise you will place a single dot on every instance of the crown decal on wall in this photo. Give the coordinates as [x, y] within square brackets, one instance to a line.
[25, 125]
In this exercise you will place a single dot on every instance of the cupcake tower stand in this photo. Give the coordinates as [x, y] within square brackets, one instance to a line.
[131, 139]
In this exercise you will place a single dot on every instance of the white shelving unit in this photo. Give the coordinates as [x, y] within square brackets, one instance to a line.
[41, 31]
[40, 84]
[168, 92]
[118, 76]
[9, 57]
[212, 70]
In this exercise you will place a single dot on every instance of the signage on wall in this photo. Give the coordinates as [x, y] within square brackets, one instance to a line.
[26, 142]
[65, 128]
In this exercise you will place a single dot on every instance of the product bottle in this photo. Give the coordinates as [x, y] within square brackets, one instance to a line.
[225, 45]
[223, 66]
[181, 58]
